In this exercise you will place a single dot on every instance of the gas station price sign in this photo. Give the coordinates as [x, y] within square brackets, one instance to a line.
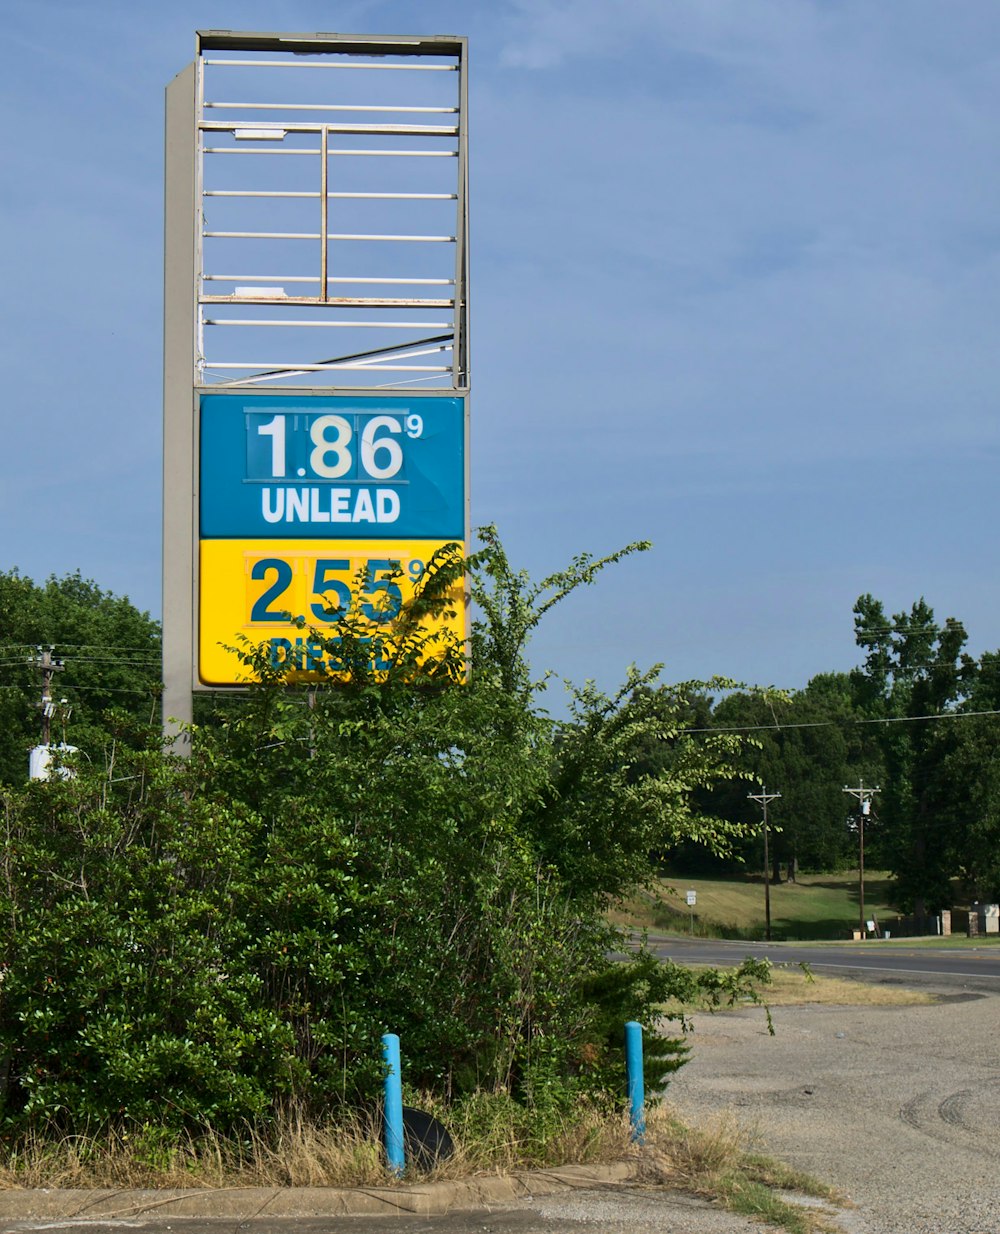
[313, 507]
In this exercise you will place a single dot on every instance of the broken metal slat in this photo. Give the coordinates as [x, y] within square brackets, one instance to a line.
[320, 368]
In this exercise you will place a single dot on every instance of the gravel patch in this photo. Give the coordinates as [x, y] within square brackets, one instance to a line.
[899, 1107]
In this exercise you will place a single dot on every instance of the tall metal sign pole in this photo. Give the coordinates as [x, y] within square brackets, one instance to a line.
[316, 370]
[763, 797]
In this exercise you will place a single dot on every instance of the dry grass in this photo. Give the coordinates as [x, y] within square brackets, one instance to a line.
[793, 986]
[686, 1156]
[491, 1137]
[714, 1161]
[296, 1155]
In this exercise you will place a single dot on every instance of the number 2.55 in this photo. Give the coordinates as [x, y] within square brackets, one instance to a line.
[332, 589]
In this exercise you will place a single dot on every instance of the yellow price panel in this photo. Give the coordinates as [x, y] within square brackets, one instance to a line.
[257, 588]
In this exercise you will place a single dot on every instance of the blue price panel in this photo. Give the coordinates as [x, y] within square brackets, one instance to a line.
[338, 466]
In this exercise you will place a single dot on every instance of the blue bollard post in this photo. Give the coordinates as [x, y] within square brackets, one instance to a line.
[393, 1128]
[636, 1087]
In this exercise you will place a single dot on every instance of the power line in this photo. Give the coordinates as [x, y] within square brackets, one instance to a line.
[72, 659]
[28, 647]
[933, 629]
[115, 660]
[92, 689]
[75, 659]
[846, 720]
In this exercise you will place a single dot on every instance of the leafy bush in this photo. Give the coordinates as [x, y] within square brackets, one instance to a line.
[224, 938]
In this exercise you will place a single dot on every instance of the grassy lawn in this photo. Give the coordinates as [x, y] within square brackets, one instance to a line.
[817, 906]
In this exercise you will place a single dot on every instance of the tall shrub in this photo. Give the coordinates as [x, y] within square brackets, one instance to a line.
[410, 844]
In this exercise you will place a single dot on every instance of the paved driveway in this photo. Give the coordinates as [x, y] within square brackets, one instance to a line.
[900, 1107]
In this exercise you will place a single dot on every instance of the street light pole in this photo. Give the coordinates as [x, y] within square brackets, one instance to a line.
[763, 797]
[864, 796]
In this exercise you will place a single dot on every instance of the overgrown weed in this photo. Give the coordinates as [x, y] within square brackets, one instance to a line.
[714, 1161]
[491, 1133]
[294, 1153]
[494, 1134]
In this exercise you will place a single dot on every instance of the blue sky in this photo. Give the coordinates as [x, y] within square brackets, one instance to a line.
[735, 283]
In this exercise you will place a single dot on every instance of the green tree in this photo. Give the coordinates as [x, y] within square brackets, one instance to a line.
[913, 672]
[963, 793]
[110, 652]
[806, 745]
[625, 786]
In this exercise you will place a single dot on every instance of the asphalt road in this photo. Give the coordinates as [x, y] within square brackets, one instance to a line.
[976, 968]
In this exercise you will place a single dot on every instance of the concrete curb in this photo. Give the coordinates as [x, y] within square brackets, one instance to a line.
[243, 1203]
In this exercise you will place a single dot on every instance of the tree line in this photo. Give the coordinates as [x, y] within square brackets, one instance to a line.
[915, 717]
[918, 717]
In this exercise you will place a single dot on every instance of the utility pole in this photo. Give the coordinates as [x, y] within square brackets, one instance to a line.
[864, 796]
[49, 666]
[763, 797]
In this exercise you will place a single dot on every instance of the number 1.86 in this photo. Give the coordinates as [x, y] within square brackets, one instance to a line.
[336, 447]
